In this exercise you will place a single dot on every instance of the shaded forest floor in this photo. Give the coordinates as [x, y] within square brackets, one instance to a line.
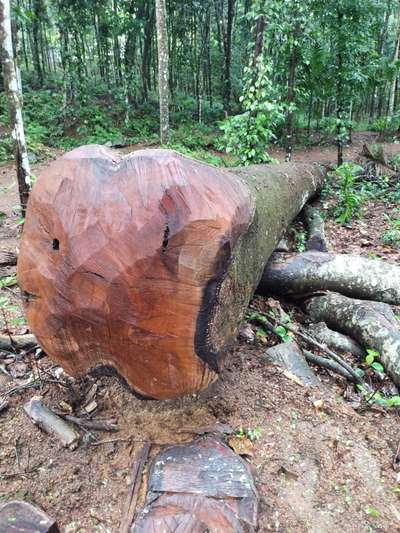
[319, 465]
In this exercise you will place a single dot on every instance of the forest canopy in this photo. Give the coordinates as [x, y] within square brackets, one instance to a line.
[264, 72]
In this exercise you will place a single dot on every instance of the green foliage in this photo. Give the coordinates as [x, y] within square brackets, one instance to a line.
[391, 236]
[370, 361]
[249, 433]
[283, 333]
[300, 239]
[349, 199]
[247, 135]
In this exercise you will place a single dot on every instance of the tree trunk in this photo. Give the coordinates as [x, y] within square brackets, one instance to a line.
[163, 74]
[14, 105]
[372, 324]
[392, 97]
[294, 58]
[154, 275]
[315, 228]
[310, 272]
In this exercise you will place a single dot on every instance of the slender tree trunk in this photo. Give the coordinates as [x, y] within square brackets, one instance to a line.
[36, 41]
[294, 58]
[339, 89]
[228, 55]
[162, 41]
[14, 104]
[392, 98]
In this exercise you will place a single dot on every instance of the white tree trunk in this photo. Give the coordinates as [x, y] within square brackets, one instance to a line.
[163, 72]
[12, 89]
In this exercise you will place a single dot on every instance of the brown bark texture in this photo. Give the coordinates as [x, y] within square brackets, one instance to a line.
[147, 263]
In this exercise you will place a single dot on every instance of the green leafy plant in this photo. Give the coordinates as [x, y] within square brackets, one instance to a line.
[283, 333]
[249, 433]
[247, 135]
[392, 235]
[370, 361]
[300, 239]
[349, 199]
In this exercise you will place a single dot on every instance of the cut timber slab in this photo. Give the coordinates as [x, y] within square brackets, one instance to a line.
[146, 263]
[22, 517]
[197, 487]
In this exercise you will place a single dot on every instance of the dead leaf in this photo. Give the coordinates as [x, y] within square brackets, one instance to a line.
[241, 446]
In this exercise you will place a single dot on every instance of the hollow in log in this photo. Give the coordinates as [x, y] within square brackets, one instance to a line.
[146, 263]
[359, 277]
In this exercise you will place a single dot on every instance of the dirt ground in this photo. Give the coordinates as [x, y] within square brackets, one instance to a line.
[319, 466]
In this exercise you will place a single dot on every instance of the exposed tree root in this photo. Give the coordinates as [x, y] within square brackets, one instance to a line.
[309, 272]
[373, 324]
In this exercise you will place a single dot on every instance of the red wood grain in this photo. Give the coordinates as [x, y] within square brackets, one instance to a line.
[117, 259]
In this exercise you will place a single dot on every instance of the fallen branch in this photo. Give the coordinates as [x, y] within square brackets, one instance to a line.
[11, 343]
[131, 501]
[51, 423]
[328, 364]
[313, 272]
[97, 425]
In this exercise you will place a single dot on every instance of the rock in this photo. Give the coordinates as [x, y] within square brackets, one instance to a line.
[289, 356]
[22, 517]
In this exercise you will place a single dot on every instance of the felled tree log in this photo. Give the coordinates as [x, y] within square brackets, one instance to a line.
[298, 274]
[387, 154]
[146, 263]
[315, 228]
[372, 324]
[197, 487]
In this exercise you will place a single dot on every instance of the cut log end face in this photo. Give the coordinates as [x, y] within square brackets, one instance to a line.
[121, 261]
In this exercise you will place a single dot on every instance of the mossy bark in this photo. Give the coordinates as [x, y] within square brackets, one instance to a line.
[280, 192]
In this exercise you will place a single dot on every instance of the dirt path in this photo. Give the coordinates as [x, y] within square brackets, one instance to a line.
[319, 467]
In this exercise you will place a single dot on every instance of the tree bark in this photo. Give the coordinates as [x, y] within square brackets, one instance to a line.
[333, 339]
[14, 98]
[294, 58]
[163, 74]
[372, 324]
[153, 274]
[392, 97]
[315, 228]
[309, 272]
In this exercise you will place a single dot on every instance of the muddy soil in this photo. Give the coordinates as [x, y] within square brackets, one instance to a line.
[319, 464]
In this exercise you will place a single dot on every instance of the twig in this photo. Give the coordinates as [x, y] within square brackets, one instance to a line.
[16, 474]
[312, 341]
[111, 441]
[396, 459]
[131, 501]
[100, 425]
[327, 363]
